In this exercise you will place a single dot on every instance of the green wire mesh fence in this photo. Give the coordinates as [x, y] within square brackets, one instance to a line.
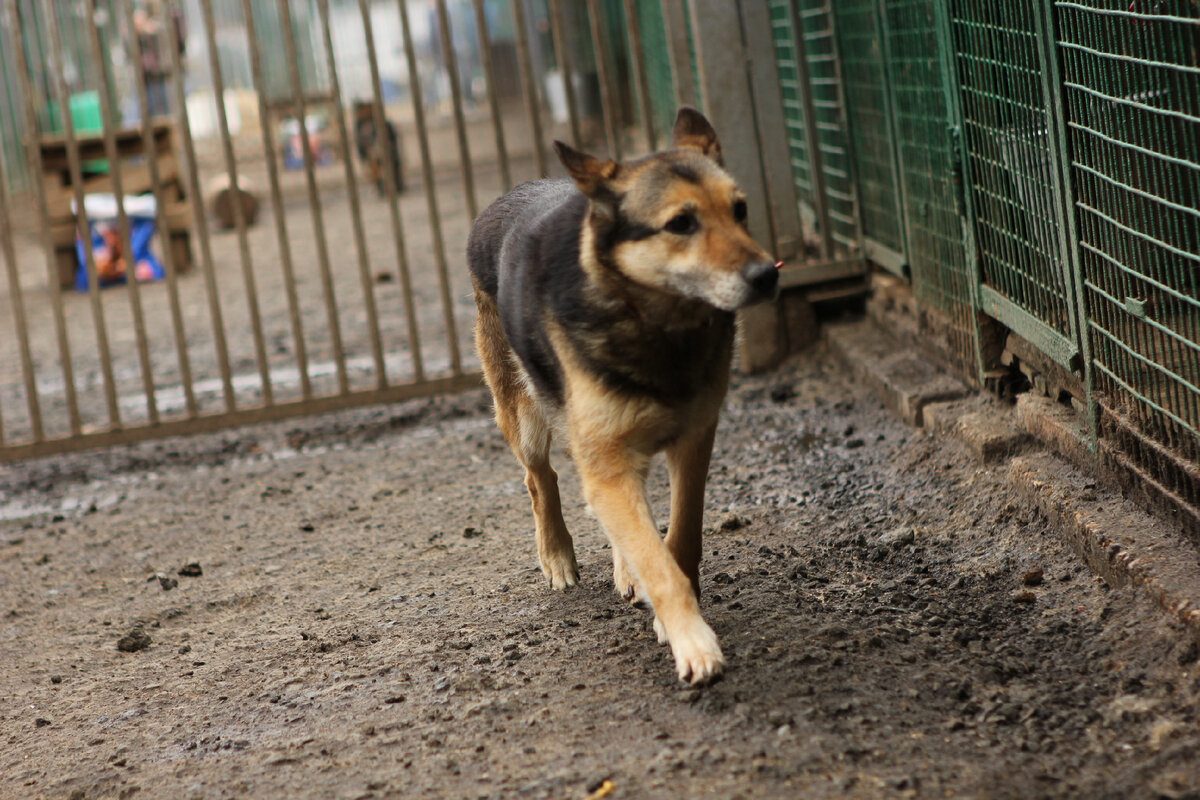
[1008, 146]
[868, 109]
[1036, 163]
[793, 90]
[816, 23]
[1131, 86]
[937, 253]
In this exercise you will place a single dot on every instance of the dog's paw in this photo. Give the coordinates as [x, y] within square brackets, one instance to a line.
[698, 657]
[626, 586]
[561, 570]
[660, 631]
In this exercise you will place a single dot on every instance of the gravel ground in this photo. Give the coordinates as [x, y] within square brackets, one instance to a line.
[367, 620]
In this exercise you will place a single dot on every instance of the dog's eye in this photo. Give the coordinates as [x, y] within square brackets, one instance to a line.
[682, 223]
[739, 210]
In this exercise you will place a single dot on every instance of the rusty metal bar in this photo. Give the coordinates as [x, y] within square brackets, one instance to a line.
[604, 72]
[114, 171]
[638, 58]
[185, 367]
[360, 243]
[206, 262]
[278, 211]
[253, 415]
[314, 199]
[678, 41]
[529, 85]
[559, 32]
[239, 216]
[390, 172]
[460, 125]
[18, 306]
[489, 72]
[62, 96]
[39, 190]
[435, 224]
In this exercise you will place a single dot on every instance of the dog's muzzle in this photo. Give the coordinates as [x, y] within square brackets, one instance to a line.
[763, 277]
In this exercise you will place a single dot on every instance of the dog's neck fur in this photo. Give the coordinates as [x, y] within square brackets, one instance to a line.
[652, 342]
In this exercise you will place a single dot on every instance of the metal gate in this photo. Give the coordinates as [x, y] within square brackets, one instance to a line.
[312, 168]
[341, 282]
[1004, 75]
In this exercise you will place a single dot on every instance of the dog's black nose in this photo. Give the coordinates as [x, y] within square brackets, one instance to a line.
[763, 276]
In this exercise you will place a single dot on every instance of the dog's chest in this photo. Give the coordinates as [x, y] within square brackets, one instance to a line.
[672, 366]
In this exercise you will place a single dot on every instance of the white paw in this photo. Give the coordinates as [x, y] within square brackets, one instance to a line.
[660, 631]
[561, 570]
[627, 587]
[698, 657]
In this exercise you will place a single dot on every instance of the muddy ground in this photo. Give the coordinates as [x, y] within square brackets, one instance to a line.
[370, 621]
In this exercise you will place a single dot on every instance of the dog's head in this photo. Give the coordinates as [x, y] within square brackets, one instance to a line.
[675, 221]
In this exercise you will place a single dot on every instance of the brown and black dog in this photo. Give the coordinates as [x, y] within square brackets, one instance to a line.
[606, 312]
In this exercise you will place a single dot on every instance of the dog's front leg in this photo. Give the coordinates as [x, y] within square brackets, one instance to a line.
[614, 484]
[687, 463]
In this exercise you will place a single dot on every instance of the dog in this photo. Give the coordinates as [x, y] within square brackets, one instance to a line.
[374, 150]
[607, 313]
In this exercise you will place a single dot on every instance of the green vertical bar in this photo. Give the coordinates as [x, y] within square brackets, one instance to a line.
[1065, 194]
[960, 163]
[889, 100]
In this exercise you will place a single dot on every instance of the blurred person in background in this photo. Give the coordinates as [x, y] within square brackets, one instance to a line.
[149, 22]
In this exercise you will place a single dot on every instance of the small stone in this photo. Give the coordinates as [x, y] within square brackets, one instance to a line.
[1024, 596]
[41, 722]
[1034, 577]
[190, 570]
[307, 527]
[470, 532]
[56, 679]
[854, 444]
[183, 651]
[167, 583]
[136, 639]
[383, 276]
[898, 537]
[733, 522]
[781, 393]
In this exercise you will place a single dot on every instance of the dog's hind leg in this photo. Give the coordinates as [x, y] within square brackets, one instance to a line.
[528, 434]
[556, 552]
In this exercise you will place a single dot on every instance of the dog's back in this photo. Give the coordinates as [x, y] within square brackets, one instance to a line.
[523, 253]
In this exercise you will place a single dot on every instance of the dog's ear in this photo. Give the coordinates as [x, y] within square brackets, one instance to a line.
[693, 130]
[591, 174]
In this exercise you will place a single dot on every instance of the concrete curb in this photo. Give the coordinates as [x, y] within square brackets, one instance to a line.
[1115, 538]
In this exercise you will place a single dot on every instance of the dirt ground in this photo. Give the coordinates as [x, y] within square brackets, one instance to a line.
[368, 620]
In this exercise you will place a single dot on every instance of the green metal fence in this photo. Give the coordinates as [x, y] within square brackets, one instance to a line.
[815, 111]
[1131, 90]
[930, 176]
[1037, 164]
[793, 88]
[869, 112]
[1009, 144]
